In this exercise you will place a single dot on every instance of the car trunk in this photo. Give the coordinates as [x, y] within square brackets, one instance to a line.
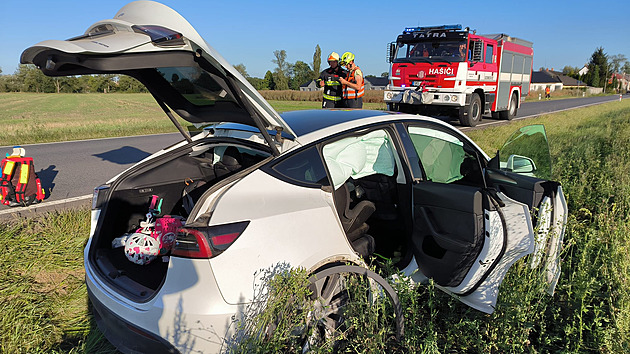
[194, 168]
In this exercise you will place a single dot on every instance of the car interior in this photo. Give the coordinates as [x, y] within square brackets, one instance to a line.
[179, 179]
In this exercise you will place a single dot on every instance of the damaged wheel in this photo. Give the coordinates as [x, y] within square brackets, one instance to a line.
[333, 292]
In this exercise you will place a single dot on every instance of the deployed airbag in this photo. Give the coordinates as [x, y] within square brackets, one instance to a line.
[358, 157]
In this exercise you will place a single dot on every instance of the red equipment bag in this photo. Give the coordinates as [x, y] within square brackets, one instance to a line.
[19, 184]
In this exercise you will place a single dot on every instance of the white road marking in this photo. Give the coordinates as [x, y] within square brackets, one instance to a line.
[47, 204]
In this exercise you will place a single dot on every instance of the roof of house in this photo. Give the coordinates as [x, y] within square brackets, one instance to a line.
[377, 81]
[554, 77]
[544, 77]
[306, 84]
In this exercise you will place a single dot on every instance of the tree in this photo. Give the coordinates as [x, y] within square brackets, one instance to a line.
[571, 71]
[1, 68]
[33, 80]
[302, 74]
[595, 77]
[280, 76]
[616, 62]
[317, 62]
[384, 74]
[129, 84]
[241, 69]
[598, 67]
[626, 68]
[268, 83]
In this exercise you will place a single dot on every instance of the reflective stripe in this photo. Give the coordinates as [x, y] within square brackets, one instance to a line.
[8, 168]
[24, 174]
[332, 83]
[349, 92]
[332, 98]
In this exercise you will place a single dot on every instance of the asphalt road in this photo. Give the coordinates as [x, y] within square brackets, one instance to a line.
[69, 171]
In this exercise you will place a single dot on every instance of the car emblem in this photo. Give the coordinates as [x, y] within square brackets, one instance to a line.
[421, 74]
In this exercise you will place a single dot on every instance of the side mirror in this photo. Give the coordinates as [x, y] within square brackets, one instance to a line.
[520, 164]
[391, 51]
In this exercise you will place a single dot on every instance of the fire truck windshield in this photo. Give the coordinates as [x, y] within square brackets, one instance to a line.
[431, 51]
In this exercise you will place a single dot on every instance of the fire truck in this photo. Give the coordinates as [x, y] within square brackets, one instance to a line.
[447, 70]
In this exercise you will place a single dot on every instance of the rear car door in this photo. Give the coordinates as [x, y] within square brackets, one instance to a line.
[466, 234]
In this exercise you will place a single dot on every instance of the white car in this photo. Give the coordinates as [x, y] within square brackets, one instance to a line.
[311, 189]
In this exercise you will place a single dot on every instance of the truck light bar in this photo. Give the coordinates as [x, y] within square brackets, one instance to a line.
[432, 28]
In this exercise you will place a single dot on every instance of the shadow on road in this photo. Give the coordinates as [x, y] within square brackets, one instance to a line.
[47, 177]
[124, 155]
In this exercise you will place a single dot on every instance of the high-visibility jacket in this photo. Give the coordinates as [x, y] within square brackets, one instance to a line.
[332, 87]
[349, 92]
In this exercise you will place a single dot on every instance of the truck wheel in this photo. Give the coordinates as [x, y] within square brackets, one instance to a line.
[471, 115]
[512, 109]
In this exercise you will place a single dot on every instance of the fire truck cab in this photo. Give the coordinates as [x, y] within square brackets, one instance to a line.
[447, 70]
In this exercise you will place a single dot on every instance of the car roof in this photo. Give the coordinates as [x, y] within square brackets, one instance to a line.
[309, 121]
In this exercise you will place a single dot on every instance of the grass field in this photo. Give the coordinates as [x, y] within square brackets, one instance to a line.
[29, 118]
[44, 301]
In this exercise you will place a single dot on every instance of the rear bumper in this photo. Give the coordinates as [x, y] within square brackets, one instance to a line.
[125, 336]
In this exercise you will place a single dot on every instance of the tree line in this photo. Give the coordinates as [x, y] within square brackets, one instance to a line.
[284, 76]
[27, 78]
[601, 68]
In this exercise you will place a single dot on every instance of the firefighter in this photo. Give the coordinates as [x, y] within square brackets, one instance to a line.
[329, 80]
[354, 87]
[547, 93]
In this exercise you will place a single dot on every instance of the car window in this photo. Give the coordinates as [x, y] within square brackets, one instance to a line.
[359, 156]
[196, 85]
[444, 158]
[305, 166]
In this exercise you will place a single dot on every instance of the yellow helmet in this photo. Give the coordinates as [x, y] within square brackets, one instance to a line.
[333, 56]
[346, 58]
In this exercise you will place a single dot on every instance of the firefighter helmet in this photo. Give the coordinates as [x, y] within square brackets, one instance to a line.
[333, 56]
[346, 58]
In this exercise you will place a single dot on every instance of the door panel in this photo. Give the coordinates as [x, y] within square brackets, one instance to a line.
[519, 242]
[448, 230]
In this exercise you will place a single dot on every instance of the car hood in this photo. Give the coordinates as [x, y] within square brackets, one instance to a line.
[156, 45]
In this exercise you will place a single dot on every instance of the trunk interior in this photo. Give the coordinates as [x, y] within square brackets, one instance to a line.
[193, 170]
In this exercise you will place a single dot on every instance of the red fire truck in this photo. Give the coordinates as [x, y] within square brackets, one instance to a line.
[447, 70]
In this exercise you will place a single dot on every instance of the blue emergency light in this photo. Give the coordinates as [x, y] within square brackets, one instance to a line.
[433, 28]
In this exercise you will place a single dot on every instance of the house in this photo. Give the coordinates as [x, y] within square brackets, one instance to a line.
[554, 79]
[376, 83]
[583, 71]
[309, 86]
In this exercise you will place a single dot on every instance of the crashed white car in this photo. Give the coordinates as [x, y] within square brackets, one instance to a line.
[311, 189]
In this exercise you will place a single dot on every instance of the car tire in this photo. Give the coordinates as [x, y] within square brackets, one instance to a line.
[471, 115]
[330, 296]
[512, 109]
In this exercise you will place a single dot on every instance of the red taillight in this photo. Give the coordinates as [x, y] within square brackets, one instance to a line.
[206, 242]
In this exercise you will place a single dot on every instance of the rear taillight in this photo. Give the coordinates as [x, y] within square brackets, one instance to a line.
[206, 242]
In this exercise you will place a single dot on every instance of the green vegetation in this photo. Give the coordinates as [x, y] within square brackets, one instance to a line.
[28, 118]
[44, 299]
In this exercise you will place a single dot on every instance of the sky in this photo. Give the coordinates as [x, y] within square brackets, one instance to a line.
[248, 32]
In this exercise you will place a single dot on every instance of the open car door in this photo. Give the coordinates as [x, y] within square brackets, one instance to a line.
[471, 223]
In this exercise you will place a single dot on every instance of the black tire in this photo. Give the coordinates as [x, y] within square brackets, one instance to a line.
[512, 109]
[471, 114]
[327, 321]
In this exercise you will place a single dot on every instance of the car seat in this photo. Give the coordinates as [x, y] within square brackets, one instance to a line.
[230, 162]
[354, 220]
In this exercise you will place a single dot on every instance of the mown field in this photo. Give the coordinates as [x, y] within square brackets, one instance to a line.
[28, 118]
[44, 301]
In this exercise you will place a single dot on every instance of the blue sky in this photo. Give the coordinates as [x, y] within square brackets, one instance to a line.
[247, 32]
